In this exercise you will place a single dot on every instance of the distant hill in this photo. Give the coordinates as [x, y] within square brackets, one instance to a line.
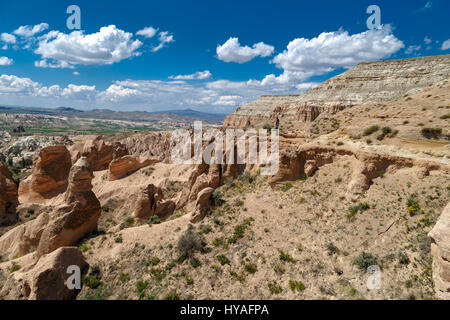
[176, 116]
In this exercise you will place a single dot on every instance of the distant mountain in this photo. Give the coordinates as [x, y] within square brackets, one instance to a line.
[196, 114]
[176, 116]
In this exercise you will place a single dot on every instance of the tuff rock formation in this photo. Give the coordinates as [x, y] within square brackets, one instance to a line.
[69, 223]
[8, 196]
[440, 250]
[368, 82]
[124, 166]
[63, 226]
[156, 145]
[45, 280]
[202, 204]
[150, 202]
[98, 152]
[49, 175]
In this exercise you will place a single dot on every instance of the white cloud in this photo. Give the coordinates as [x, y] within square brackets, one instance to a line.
[147, 32]
[427, 5]
[54, 65]
[76, 73]
[17, 85]
[200, 75]
[232, 51]
[446, 45]
[333, 50]
[412, 49]
[107, 46]
[164, 38]
[5, 61]
[29, 31]
[8, 38]
[228, 101]
[427, 40]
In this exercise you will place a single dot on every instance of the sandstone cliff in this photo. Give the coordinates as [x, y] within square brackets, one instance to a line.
[366, 83]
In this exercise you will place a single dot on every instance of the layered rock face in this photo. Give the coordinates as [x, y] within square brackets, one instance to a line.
[98, 152]
[47, 279]
[156, 145]
[440, 250]
[126, 165]
[366, 83]
[8, 196]
[49, 174]
[63, 226]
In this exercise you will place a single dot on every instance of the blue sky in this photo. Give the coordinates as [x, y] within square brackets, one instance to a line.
[210, 56]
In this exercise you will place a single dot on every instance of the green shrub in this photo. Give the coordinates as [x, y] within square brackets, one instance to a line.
[274, 287]
[14, 268]
[371, 130]
[445, 116]
[124, 277]
[296, 285]
[154, 220]
[158, 274]
[286, 187]
[84, 247]
[153, 261]
[413, 205]
[173, 295]
[431, 132]
[223, 259]
[91, 281]
[251, 268]
[286, 257]
[365, 260]
[217, 197]
[195, 262]
[402, 257]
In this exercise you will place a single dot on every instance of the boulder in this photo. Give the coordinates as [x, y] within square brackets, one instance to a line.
[8, 196]
[47, 279]
[49, 175]
[202, 204]
[124, 166]
[440, 251]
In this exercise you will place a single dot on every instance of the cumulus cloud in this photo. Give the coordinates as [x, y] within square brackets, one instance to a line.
[228, 101]
[427, 40]
[107, 46]
[8, 38]
[200, 75]
[13, 84]
[446, 45]
[29, 31]
[333, 50]
[147, 32]
[164, 38]
[232, 51]
[5, 61]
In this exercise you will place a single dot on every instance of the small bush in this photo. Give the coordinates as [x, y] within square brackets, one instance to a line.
[188, 244]
[413, 205]
[195, 263]
[431, 133]
[14, 268]
[217, 197]
[445, 116]
[286, 257]
[371, 130]
[223, 259]
[251, 268]
[274, 287]
[286, 187]
[91, 281]
[173, 295]
[84, 247]
[296, 285]
[365, 260]
[154, 220]
[402, 257]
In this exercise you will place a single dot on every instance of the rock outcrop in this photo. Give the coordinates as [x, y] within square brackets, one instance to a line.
[64, 226]
[49, 175]
[124, 166]
[150, 202]
[47, 279]
[69, 223]
[369, 82]
[202, 204]
[156, 145]
[8, 196]
[440, 250]
[98, 152]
